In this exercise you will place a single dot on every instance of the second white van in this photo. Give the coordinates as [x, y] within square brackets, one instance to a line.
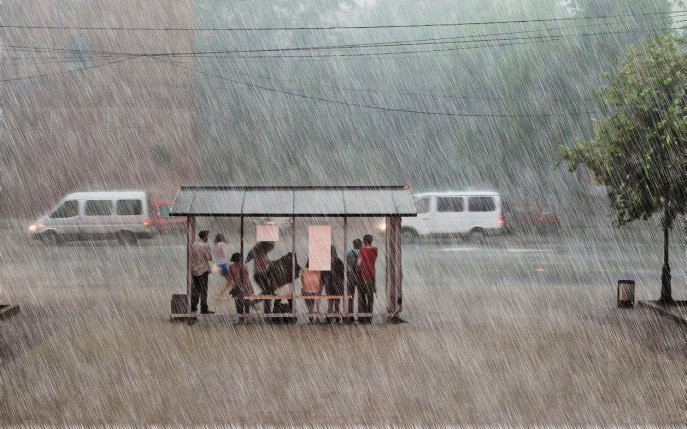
[471, 214]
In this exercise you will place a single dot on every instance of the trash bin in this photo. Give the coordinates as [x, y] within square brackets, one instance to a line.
[626, 293]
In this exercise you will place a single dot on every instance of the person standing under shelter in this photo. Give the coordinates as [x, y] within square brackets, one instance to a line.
[200, 268]
[352, 276]
[366, 292]
[238, 272]
[333, 281]
[219, 252]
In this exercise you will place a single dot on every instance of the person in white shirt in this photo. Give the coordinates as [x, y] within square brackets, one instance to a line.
[200, 268]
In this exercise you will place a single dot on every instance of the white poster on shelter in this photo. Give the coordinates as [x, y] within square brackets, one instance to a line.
[320, 247]
[267, 233]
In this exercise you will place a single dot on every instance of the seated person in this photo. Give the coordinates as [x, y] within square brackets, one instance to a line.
[310, 286]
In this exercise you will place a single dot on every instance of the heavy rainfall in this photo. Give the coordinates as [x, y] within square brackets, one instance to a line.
[520, 166]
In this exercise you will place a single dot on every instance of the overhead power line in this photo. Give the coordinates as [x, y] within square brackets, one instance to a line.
[418, 94]
[370, 106]
[334, 88]
[464, 45]
[63, 72]
[389, 43]
[131, 56]
[336, 27]
[267, 53]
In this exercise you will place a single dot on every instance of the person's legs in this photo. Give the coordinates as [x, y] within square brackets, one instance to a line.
[370, 305]
[371, 289]
[289, 309]
[242, 307]
[371, 300]
[310, 304]
[263, 282]
[226, 287]
[350, 291]
[367, 291]
[203, 290]
[337, 305]
[332, 307]
[195, 293]
[362, 305]
[362, 301]
[239, 308]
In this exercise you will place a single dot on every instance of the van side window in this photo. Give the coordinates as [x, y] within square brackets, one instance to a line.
[422, 205]
[67, 209]
[450, 204]
[129, 207]
[98, 208]
[481, 204]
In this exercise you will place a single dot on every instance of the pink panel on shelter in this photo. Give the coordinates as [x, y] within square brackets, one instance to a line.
[319, 247]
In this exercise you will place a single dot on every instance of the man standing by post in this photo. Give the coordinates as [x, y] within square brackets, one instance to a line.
[366, 294]
[200, 268]
[352, 276]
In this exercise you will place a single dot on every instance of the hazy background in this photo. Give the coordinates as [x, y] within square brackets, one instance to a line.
[92, 103]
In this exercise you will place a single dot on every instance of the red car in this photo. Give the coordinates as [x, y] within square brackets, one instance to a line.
[163, 221]
[538, 216]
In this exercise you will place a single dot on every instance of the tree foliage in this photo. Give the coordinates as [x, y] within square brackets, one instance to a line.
[639, 149]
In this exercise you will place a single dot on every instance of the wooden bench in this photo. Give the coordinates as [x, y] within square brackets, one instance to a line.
[193, 317]
[280, 297]
[316, 298]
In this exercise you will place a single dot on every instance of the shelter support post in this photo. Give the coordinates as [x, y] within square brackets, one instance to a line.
[190, 236]
[344, 301]
[394, 272]
[241, 240]
[293, 264]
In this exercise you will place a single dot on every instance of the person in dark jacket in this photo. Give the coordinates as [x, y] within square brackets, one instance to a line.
[333, 283]
[279, 274]
[352, 276]
[261, 264]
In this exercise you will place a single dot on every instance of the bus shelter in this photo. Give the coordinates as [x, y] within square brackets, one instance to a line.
[388, 202]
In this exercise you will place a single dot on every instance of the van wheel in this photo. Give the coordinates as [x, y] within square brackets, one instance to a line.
[51, 238]
[126, 238]
[476, 236]
[408, 235]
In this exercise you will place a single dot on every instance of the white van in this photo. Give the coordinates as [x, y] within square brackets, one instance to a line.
[472, 214]
[124, 215]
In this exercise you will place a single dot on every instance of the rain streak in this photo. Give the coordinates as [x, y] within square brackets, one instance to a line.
[370, 213]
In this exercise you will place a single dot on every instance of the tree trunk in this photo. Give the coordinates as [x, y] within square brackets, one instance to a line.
[666, 292]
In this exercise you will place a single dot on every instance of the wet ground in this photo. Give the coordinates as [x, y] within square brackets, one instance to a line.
[522, 330]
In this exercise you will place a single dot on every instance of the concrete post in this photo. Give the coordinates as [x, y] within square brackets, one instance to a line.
[190, 237]
[393, 268]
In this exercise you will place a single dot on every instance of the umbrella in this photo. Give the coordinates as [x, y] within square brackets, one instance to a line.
[261, 248]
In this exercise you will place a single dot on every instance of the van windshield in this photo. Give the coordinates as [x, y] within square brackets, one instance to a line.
[422, 205]
[67, 209]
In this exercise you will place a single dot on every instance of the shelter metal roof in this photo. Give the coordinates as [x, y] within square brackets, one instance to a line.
[299, 201]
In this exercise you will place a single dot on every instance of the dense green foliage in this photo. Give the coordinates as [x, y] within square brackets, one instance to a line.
[639, 149]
